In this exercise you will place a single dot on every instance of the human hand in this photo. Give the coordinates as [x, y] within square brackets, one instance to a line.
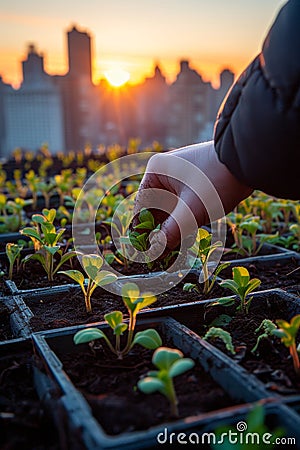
[186, 189]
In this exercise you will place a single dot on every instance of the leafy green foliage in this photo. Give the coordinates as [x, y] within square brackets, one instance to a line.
[13, 253]
[134, 302]
[247, 240]
[92, 265]
[287, 332]
[170, 363]
[266, 328]
[203, 250]
[141, 239]
[219, 333]
[47, 242]
[241, 285]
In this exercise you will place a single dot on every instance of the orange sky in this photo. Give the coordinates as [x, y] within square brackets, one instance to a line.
[136, 34]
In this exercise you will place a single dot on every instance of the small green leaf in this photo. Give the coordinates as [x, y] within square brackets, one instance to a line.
[88, 335]
[38, 218]
[144, 225]
[105, 277]
[114, 318]
[241, 275]
[148, 385]
[76, 275]
[148, 338]
[224, 301]
[146, 216]
[180, 366]
[51, 250]
[31, 232]
[221, 321]
[130, 290]
[164, 357]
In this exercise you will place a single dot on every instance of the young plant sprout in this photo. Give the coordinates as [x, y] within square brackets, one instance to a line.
[95, 277]
[141, 240]
[266, 328]
[13, 252]
[134, 302]
[219, 333]
[46, 240]
[247, 240]
[203, 249]
[120, 225]
[288, 331]
[170, 363]
[241, 285]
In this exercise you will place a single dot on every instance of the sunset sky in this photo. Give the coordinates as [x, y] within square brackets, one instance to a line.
[135, 34]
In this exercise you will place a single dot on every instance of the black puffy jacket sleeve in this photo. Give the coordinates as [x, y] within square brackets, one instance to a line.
[257, 131]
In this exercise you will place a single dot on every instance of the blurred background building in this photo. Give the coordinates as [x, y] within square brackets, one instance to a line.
[69, 112]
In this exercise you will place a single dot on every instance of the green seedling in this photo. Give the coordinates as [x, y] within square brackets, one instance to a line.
[247, 240]
[241, 285]
[47, 245]
[13, 253]
[170, 363]
[92, 265]
[219, 333]
[203, 250]
[146, 226]
[120, 226]
[134, 302]
[266, 328]
[253, 438]
[287, 332]
[12, 213]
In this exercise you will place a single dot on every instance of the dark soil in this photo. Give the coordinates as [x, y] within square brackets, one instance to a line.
[68, 308]
[271, 363]
[5, 328]
[23, 422]
[232, 253]
[110, 387]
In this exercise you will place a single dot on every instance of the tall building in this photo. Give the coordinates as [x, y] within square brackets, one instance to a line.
[188, 107]
[79, 54]
[226, 81]
[33, 114]
[68, 112]
[152, 108]
[80, 99]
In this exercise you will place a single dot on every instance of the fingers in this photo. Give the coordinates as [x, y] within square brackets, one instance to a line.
[181, 223]
[155, 193]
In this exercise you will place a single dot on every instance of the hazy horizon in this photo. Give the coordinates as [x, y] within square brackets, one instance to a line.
[136, 34]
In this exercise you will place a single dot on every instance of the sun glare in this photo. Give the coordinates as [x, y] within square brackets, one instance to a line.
[117, 76]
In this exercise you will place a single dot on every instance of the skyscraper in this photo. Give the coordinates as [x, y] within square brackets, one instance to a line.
[79, 54]
[81, 108]
[33, 114]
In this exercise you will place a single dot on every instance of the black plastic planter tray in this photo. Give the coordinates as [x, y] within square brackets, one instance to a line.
[19, 316]
[24, 419]
[12, 237]
[235, 381]
[192, 315]
[148, 279]
[268, 251]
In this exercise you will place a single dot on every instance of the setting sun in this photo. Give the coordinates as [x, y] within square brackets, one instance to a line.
[117, 76]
